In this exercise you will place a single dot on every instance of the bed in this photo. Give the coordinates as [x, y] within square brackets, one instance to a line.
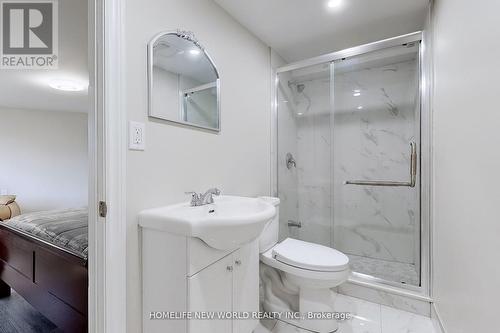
[43, 257]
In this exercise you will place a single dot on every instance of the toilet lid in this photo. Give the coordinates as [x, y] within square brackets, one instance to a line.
[310, 256]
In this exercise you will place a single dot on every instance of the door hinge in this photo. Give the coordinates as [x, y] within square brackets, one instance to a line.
[103, 209]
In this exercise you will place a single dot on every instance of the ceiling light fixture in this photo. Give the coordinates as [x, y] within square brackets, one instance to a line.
[68, 85]
[360, 107]
[356, 94]
[334, 3]
[194, 52]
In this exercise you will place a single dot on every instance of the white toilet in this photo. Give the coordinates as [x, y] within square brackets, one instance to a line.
[297, 277]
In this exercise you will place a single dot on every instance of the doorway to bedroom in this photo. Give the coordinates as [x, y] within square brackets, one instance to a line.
[46, 121]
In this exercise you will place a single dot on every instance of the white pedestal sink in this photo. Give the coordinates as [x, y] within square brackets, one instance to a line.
[228, 223]
[202, 259]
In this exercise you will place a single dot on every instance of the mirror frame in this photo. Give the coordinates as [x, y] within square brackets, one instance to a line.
[189, 36]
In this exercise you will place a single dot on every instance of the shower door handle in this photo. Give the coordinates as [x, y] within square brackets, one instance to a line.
[413, 174]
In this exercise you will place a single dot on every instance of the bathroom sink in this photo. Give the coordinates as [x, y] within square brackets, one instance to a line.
[228, 223]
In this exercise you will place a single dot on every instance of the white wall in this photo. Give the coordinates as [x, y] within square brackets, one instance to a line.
[179, 159]
[466, 164]
[44, 158]
[167, 103]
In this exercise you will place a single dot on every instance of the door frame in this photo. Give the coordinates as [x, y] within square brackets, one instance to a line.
[107, 161]
[422, 292]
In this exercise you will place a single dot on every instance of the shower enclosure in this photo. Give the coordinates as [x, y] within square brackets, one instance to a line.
[348, 158]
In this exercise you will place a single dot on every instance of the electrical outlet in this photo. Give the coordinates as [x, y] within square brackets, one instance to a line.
[137, 136]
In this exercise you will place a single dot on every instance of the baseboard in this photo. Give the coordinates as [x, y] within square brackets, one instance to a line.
[436, 319]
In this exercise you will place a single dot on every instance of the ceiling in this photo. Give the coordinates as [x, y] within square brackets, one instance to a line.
[300, 29]
[28, 89]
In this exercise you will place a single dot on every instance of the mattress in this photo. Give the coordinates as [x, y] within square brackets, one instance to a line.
[66, 228]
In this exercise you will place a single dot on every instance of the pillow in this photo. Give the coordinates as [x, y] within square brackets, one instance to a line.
[7, 199]
[8, 207]
[14, 209]
[4, 212]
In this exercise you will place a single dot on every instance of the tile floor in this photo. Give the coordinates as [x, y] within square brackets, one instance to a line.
[368, 317]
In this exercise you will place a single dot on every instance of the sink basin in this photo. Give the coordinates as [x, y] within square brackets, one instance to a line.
[228, 223]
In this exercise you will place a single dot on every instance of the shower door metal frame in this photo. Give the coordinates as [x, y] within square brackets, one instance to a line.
[421, 292]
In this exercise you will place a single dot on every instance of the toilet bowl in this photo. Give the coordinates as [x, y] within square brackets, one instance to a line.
[297, 277]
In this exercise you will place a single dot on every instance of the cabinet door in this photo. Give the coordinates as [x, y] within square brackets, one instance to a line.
[246, 285]
[210, 291]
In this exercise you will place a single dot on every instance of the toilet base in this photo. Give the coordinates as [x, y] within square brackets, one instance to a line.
[316, 302]
[314, 305]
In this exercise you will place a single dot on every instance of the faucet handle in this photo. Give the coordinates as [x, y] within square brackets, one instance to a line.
[195, 197]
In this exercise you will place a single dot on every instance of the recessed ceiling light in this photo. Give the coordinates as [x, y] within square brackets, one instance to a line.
[334, 3]
[356, 90]
[356, 94]
[360, 107]
[68, 85]
[299, 113]
[194, 52]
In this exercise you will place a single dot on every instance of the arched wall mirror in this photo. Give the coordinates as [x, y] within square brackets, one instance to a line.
[183, 81]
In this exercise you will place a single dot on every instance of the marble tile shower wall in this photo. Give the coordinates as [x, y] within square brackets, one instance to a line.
[314, 170]
[287, 136]
[372, 135]
[369, 143]
[304, 129]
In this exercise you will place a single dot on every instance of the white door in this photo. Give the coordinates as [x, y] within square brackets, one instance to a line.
[211, 291]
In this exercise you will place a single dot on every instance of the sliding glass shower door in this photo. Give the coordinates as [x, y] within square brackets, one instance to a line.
[348, 160]
[376, 140]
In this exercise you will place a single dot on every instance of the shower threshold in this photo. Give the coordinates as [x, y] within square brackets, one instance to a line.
[384, 269]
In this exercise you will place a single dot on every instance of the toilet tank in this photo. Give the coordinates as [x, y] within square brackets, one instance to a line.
[269, 236]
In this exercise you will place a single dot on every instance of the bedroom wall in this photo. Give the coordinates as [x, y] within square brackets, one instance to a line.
[179, 159]
[44, 158]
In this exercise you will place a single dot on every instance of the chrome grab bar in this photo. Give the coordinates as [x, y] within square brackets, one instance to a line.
[413, 174]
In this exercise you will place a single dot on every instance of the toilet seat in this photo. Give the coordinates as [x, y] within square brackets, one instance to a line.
[310, 256]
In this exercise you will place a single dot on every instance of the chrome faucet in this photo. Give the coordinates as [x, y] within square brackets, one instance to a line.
[207, 197]
[199, 199]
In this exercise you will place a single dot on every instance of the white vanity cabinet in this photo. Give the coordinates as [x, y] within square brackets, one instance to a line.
[211, 290]
[184, 275]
